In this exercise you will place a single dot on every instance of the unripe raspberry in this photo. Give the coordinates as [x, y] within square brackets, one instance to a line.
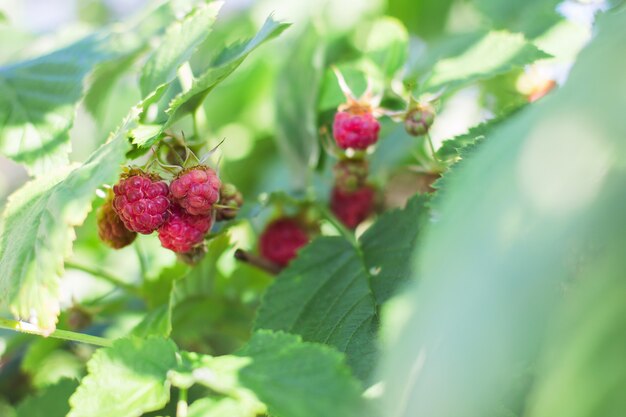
[141, 201]
[281, 240]
[111, 229]
[182, 231]
[418, 121]
[356, 128]
[351, 174]
[196, 190]
[353, 207]
[230, 197]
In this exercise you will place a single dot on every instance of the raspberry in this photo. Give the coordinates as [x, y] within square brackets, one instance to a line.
[281, 240]
[229, 197]
[351, 174]
[182, 231]
[111, 229]
[418, 121]
[355, 128]
[196, 190]
[141, 201]
[352, 207]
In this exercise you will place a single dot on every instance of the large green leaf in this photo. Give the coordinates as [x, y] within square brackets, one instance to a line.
[218, 70]
[335, 303]
[526, 220]
[179, 43]
[389, 244]
[37, 230]
[298, 379]
[52, 401]
[38, 100]
[495, 53]
[275, 372]
[297, 95]
[126, 379]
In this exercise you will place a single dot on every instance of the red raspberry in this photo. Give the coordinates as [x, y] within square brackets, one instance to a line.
[355, 129]
[111, 229]
[182, 231]
[352, 207]
[141, 201]
[281, 240]
[351, 174]
[196, 190]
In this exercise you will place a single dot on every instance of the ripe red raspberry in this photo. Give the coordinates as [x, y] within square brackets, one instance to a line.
[352, 207]
[182, 231]
[141, 201]
[418, 121]
[355, 128]
[351, 174]
[111, 229]
[196, 190]
[281, 240]
[229, 197]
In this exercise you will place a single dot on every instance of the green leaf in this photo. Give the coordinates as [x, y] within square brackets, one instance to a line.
[387, 45]
[336, 305]
[49, 402]
[216, 72]
[531, 17]
[298, 379]
[126, 379]
[297, 95]
[495, 53]
[179, 43]
[38, 100]
[37, 231]
[522, 235]
[388, 246]
[223, 407]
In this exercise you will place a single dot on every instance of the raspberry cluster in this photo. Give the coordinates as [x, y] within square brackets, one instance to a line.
[181, 212]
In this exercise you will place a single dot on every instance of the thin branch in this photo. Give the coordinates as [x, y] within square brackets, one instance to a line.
[24, 327]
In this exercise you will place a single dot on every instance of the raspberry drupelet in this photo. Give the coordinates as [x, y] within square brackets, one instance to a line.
[196, 190]
[141, 201]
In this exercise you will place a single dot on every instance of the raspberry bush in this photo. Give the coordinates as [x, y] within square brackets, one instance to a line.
[395, 208]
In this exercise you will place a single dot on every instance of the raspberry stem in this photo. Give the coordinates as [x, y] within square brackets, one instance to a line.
[24, 327]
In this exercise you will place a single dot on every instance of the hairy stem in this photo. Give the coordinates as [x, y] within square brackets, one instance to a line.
[23, 327]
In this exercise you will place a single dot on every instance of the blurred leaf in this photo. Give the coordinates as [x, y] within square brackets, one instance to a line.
[336, 304]
[531, 17]
[179, 43]
[296, 98]
[38, 100]
[224, 407]
[126, 379]
[583, 370]
[216, 72]
[525, 219]
[496, 53]
[37, 231]
[387, 45]
[388, 246]
[426, 18]
[48, 402]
